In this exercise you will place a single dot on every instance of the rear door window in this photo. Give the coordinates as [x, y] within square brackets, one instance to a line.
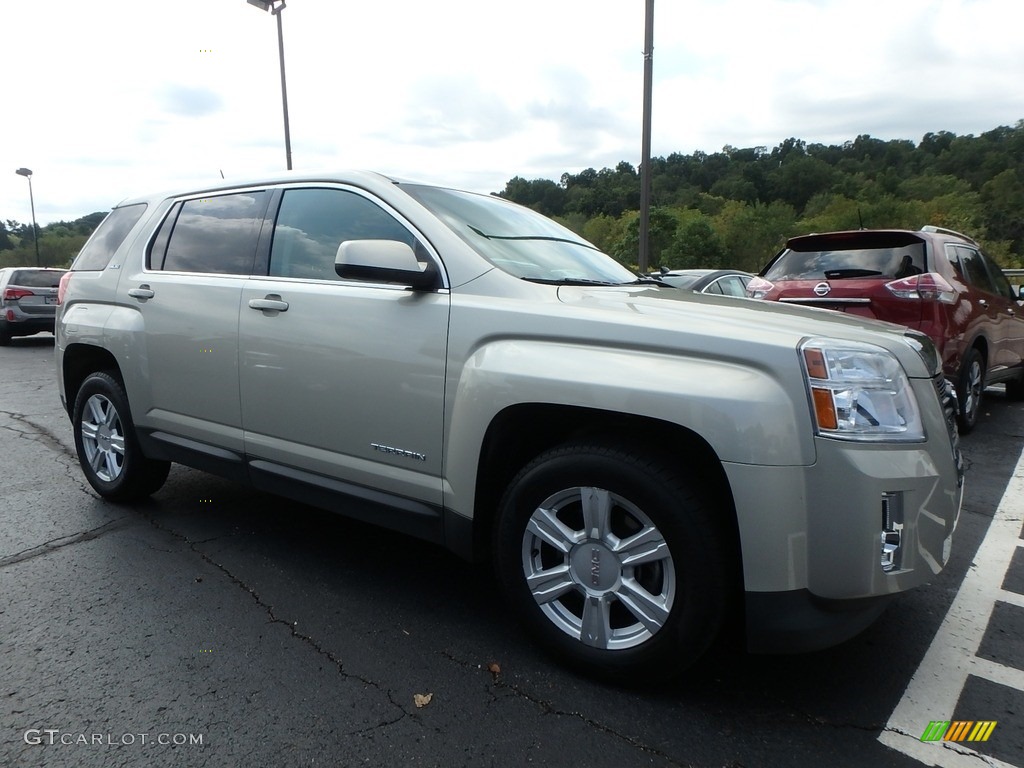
[975, 271]
[100, 248]
[211, 234]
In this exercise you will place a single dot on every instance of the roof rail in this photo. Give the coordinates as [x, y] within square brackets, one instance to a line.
[944, 231]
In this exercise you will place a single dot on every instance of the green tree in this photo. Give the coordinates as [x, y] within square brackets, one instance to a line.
[695, 246]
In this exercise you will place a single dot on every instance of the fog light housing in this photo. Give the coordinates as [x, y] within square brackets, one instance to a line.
[892, 531]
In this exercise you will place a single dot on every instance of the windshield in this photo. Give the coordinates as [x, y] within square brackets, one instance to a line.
[518, 240]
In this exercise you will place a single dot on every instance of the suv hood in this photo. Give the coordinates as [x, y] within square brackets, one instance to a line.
[720, 324]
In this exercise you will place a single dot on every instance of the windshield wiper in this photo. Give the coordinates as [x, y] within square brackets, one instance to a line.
[568, 281]
[532, 237]
[651, 280]
[843, 274]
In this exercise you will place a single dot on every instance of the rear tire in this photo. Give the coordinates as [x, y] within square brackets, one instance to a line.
[613, 561]
[969, 390]
[108, 449]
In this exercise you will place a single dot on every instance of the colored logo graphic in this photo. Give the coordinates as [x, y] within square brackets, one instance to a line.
[958, 730]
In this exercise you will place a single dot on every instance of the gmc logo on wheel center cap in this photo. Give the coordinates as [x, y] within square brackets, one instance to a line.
[822, 289]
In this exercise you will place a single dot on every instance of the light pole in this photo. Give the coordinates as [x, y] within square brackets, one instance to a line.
[645, 162]
[32, 201]
[275, 7]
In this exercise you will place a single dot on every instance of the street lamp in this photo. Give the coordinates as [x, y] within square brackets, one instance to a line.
[31, 199]
[275, 7]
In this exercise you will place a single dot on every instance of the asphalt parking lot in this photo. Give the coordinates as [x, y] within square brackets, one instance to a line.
[216, 626]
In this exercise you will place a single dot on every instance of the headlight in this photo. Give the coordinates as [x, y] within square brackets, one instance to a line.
[859, 392]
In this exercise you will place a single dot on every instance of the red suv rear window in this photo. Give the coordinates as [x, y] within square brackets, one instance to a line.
[850, 255]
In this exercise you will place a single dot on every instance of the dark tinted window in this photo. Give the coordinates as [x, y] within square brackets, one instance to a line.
[216, 234]
[108, 237]
[974, 269]
[1002, 285]
[838, 263]
[158, 248]
[36, 278]
[312, 223]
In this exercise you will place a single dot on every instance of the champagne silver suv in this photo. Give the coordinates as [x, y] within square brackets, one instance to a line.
[639, 462]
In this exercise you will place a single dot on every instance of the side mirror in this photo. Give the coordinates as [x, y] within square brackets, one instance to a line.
[384, 261]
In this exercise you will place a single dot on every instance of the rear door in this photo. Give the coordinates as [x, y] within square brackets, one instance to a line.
[995, 312]
[187, 295]
[342, 381]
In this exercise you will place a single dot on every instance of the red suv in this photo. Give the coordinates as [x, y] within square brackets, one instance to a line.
[935, 280]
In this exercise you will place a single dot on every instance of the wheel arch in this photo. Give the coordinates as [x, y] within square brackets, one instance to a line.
[80, 360]
[521, 432]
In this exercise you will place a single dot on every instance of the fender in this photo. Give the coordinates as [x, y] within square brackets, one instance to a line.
[745, 414]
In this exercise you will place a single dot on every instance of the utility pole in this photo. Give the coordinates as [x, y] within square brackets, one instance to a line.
[645, 162]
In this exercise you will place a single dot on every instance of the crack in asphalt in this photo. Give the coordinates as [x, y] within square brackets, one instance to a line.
[46, 437]
[550, 709]
[65, 541]
[291, 625]
[952, 746]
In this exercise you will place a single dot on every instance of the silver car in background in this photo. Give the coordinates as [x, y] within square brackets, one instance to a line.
[28, 301]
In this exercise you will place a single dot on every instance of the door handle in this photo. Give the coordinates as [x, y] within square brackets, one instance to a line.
[273, 302]
[142, 292]
[983, 303]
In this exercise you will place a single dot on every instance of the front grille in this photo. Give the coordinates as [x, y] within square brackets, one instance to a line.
[950, 408]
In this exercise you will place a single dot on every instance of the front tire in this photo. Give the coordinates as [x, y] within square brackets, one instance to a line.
[969, 390]
[108, 449]
[613, 561]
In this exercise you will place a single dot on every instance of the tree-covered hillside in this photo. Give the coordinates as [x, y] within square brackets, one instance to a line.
[735, 208]
[59, 242]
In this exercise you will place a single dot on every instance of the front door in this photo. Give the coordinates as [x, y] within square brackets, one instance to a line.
[342, 379]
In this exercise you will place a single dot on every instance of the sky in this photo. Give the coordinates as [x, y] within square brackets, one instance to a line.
[109, 99]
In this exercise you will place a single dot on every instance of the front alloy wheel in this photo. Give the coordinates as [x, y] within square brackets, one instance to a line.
[614, 560]
[598, 568]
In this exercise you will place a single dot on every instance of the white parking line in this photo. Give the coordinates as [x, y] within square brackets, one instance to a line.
[936, 686]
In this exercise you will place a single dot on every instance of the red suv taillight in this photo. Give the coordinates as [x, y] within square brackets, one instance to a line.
[62, 287]
[930, 285]
[12, 294]
[758, 288]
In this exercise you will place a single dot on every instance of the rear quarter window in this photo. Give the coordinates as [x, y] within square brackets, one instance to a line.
[100, 248]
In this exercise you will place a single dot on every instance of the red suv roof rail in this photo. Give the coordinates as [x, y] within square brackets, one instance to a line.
[944, 231]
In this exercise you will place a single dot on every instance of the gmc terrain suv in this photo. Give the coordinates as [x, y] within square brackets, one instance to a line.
[639, 462]
[936, 281]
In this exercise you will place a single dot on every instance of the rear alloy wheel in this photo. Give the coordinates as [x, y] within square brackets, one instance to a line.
[613, 562]
[108, 450]
[972, 384]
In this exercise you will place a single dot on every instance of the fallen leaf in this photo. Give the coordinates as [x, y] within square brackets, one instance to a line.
[494, 668]
[421, 699]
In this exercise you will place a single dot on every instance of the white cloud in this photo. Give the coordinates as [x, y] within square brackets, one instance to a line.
[109, 100]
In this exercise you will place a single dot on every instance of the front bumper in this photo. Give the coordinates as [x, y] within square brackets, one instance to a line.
[825, 546]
